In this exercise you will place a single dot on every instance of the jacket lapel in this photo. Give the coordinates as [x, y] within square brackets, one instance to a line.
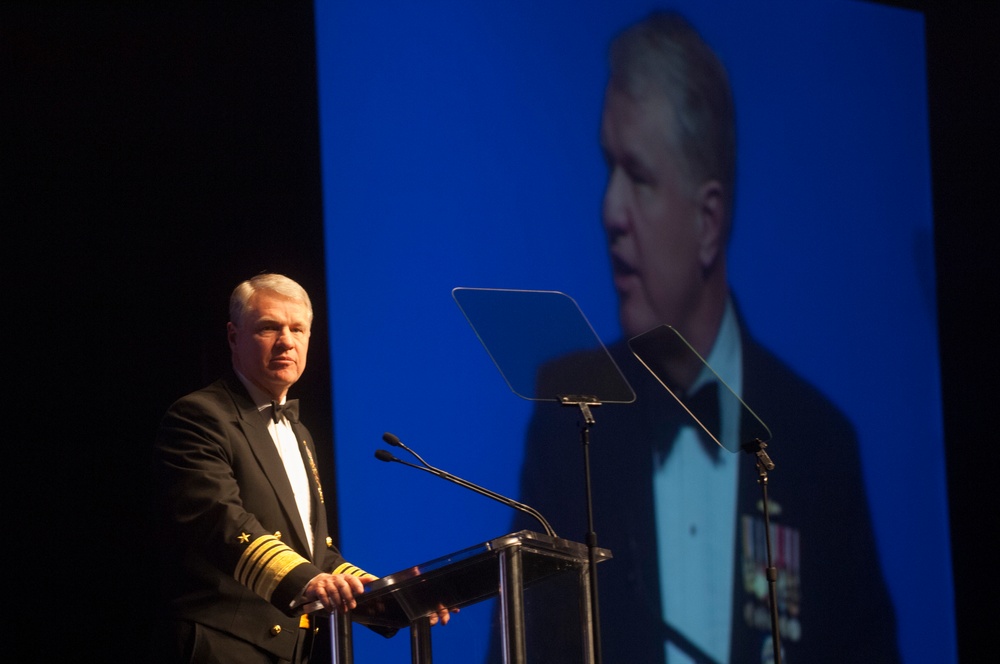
[266, 453]
[308, 452]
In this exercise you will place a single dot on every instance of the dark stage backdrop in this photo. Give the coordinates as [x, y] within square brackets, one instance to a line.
[156, 154]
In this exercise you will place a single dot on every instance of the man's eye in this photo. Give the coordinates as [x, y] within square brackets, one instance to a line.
[637, 177]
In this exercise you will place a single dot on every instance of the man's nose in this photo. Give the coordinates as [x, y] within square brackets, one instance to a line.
[285, 338]
[614, 208]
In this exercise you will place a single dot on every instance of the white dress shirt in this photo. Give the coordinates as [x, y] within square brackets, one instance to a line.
[288, 449]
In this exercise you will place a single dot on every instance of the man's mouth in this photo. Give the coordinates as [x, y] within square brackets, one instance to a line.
[620, 267]
[626, 277]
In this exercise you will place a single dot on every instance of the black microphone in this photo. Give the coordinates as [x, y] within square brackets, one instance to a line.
[386, 455]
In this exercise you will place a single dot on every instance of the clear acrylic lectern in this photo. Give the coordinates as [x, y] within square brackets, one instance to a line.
[502, 567]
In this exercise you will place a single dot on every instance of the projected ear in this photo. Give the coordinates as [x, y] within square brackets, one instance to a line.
[712, 215]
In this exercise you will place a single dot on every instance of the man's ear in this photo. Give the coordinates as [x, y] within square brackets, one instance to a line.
[713, 214]
[231, 335]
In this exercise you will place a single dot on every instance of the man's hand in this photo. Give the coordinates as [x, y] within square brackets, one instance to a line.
[336, 592]
[443, 615]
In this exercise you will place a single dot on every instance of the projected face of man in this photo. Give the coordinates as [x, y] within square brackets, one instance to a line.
[662, 238]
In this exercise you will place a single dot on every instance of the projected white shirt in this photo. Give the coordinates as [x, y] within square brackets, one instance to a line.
[695, 499]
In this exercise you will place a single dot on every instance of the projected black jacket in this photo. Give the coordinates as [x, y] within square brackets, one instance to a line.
[833, 599]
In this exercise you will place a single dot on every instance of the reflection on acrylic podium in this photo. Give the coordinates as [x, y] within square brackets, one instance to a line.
[503, 567]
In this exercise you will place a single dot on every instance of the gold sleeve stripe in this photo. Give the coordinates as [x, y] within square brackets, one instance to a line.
[350, 570]
[265, 563]
[255, 559]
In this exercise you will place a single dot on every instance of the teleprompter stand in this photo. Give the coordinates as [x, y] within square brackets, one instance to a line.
[674, 362]
[546, 350]
[504, 566]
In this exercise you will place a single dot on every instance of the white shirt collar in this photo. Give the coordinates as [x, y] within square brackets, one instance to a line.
[260, 398]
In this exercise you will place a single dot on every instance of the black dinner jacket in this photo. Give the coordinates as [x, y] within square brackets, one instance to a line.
[220, 485]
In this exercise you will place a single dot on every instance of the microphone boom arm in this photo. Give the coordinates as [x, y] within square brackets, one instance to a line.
[385, 455]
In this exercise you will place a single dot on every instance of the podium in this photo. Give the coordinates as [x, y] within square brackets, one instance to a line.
[501, 567]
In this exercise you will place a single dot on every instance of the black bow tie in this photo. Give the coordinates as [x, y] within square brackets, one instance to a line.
[704, 405]
[289, 410]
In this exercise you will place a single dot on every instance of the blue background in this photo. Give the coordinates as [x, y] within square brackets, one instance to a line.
[459, 148]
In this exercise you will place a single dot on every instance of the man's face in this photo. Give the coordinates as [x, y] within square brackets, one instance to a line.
[271, 341]
[650, 214]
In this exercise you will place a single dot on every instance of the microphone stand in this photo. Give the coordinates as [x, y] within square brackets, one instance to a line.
[764, 464]
[585, 403]
[385, 455]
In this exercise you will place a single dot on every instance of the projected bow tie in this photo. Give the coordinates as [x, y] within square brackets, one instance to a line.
[288, 410]
[704, 404]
